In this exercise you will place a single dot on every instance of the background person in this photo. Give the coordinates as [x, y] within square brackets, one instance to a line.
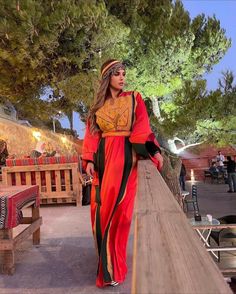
[213, 168]
[182, 177]
[220, 161]
[231, 174]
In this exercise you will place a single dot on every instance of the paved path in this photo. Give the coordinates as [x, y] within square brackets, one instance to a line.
[64, 262]
[214, 199]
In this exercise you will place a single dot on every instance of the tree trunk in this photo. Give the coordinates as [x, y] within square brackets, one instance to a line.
[171, 162]
[70, 116]
[170, 172]
[155, 107]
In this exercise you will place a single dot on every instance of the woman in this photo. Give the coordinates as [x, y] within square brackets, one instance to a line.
[117, 131]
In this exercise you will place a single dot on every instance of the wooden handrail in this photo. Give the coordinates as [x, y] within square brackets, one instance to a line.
[168, 256]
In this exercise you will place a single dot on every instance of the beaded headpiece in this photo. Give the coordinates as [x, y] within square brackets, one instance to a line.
[111, 68]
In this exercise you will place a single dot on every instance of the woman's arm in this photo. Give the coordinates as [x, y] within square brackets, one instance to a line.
[142, 137]
[90, 146]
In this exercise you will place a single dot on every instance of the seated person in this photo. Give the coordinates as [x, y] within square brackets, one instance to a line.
[49, 150]
[213, 169]
[41, 150]
[3, 152]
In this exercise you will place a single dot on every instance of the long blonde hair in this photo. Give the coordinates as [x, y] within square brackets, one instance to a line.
[100, 98]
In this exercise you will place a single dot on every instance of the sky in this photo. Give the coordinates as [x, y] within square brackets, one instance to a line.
[225, 12]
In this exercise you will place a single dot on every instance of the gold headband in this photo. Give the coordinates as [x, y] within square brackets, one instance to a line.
[109, 66]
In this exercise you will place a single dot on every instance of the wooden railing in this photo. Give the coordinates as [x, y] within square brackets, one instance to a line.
[168, 256]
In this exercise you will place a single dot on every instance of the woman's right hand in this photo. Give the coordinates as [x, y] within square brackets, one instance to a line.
[90, 169]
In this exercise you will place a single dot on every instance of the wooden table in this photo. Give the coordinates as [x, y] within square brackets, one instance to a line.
[12, 200]
[202, 227]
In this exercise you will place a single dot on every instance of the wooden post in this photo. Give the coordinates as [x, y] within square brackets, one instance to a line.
[48, 181]
[36, 216]
[8, 262]
[67, 180]
[76, 186]
[18, 179]
[58, 180]
[5, 176]
[38, 180]
[28, 178]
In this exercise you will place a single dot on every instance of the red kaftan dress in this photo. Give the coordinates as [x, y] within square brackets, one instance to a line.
[124, 128]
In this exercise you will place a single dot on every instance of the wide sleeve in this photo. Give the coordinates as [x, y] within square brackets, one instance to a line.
[90, 145]
[142, 138]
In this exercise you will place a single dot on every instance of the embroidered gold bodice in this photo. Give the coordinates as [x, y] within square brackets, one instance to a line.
[116, 114]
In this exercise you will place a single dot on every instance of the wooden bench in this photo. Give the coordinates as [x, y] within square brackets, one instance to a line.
[58, 182]
[13, 200]
[168, 256]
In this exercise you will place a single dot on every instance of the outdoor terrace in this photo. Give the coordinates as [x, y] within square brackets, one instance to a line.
[65, 261]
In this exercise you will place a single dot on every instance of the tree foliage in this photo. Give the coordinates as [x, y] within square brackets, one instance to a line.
[168, 48]
[53, 43]
[196, 114]
[61, 44]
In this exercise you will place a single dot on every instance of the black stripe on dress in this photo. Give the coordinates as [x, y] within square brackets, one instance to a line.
[98, 224]
[100, 166]
[101, 160]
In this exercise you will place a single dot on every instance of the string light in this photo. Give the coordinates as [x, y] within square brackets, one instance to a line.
[192, 175]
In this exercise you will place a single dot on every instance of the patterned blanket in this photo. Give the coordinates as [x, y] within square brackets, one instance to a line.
[12, 200]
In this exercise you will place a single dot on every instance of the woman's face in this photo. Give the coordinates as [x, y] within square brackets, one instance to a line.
[117, 80]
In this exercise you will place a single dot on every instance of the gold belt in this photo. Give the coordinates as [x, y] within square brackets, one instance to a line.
[116, 134]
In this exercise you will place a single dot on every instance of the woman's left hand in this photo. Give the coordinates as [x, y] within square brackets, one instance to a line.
[159, 158]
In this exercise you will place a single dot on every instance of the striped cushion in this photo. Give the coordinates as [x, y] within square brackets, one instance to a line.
[42, 160]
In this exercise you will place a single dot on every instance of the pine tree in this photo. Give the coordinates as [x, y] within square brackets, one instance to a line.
[197, 115]
[46, 43]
